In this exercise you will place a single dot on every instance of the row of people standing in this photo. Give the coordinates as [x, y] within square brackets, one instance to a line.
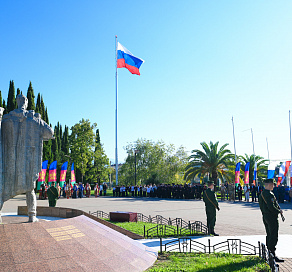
[176, 191]
[74, 191]
[282, 192]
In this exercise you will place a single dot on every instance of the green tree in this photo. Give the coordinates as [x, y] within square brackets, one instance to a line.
[5, 108]
[100, 169]
[46, 116]
[11, 102]
[18, 91]
[65, 141]
[1, 103]
[82, 145]
[262, 167]
[30, 97]
[155, 163]
[213, 161]
[38, 107]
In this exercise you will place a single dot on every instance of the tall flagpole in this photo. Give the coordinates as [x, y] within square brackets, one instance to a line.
[234, 153]
[268, 149]
[255, 163]
[291, 150]
[234, 139]
[117, 162]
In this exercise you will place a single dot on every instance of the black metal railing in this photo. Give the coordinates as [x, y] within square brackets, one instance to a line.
[231, 246]
[165, 227]
[100, 214]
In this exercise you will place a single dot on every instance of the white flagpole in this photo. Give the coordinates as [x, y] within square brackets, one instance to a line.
[117, 162]
[234, 154]
[268, 150]
[255, 163]
[234, 139]
[291, 149]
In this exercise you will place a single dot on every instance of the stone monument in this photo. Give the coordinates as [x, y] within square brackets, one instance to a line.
[22, 136]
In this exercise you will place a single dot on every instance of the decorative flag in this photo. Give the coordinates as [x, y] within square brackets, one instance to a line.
[73, 179]
[246, 173]
[125, 59]
[63, 173]
[291, 175]
[42, 174]
[283, 171]
[237, 172]
[255, 173]
[52, 172]
[271, 170]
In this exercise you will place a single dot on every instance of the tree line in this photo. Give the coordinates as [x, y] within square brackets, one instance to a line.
[82, 146]
[147, 161]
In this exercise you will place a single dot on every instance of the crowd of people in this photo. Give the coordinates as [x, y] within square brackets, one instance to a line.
[74, 191]
[177, 191]
[282, 192]
[174, 191]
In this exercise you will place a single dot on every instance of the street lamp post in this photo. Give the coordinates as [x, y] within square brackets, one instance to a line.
[136, 151]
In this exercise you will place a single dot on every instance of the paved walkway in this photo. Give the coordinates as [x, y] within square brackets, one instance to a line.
[238, 219]
[234, 218]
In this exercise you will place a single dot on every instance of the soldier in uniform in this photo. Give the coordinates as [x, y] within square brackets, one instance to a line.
[270, 210]
[53, 195]
[211, 204]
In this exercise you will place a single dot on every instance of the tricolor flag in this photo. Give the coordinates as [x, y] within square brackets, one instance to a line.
[255, 173]
[246, 173]
[271, 170]
[52, 172]
[63, 173]
[125, 59]
[42, 174]
[237, 172]
[73, 179]
[283, 171]
[291, 175]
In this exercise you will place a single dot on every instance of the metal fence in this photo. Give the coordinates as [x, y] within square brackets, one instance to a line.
[165, 226]
[100, 214]
[231, 246]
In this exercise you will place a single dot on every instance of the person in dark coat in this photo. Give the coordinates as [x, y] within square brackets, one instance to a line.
[52, 195]
[211, 205]
[239, 192]
[270, 210]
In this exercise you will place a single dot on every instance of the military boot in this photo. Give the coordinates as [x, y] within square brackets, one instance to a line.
[276, 258]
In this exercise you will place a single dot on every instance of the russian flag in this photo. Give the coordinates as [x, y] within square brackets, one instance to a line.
[42, 174]
[271, 170]
[246, 173]
[52, 172]
[63, 173]
[237, 172]
[125, 59]
[291, 175]
[283, 171]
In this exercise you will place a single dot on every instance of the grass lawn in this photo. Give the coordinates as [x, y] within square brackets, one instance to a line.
[138, 228]
[220, 262]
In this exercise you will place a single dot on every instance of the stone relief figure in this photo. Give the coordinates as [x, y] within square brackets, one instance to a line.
[22, 133]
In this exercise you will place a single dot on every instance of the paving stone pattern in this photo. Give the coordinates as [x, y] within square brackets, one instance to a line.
[76, 244]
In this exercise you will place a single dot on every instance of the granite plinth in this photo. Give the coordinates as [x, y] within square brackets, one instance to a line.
[75, 244]
[123, 216]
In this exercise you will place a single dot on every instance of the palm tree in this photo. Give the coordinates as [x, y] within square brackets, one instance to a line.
[213, 161]
[262, 166]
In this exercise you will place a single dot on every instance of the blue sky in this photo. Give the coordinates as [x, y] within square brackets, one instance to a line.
[205, 61]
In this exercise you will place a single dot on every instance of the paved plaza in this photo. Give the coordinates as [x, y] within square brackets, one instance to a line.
[235, 219]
